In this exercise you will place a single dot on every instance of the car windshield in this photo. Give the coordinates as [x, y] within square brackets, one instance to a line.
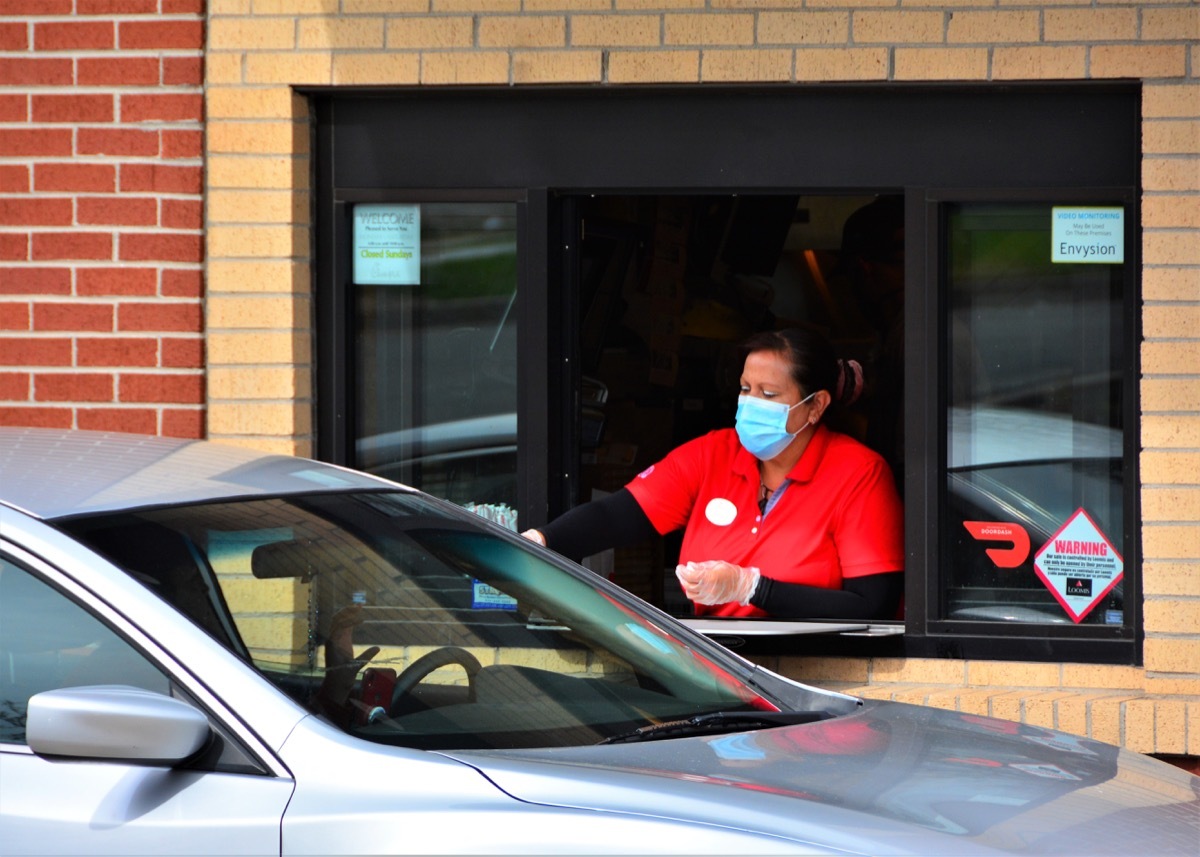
[483, 642]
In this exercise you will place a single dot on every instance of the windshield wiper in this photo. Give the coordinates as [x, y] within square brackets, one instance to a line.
[717, 721]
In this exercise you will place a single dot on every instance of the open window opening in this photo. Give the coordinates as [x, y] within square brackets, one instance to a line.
[669, 288]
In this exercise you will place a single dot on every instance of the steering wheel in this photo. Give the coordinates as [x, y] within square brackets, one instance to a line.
[415, 673]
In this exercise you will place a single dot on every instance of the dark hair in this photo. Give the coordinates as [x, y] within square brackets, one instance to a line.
[815, 365]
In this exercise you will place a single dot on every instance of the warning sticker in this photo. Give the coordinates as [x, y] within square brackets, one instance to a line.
[1079, 565]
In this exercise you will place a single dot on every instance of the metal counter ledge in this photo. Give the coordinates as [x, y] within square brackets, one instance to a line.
[787, 627]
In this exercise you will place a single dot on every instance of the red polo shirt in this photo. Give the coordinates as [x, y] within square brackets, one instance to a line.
[839, 517]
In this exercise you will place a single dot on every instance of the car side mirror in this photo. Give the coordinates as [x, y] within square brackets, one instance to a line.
[115, 722]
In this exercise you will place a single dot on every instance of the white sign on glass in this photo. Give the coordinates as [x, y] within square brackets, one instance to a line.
[387, 245]
[1079, 565]
[1091, 235]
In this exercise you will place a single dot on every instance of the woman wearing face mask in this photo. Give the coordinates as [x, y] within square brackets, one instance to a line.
[781, 515]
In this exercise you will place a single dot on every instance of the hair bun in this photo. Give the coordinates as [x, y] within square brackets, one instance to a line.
[849, 382]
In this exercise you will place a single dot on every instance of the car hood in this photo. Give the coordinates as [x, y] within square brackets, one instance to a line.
[888, 779]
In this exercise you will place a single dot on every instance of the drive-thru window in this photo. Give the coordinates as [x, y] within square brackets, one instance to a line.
[525, 297]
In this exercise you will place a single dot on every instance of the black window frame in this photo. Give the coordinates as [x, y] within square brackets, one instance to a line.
[926, 633]
[937, 143]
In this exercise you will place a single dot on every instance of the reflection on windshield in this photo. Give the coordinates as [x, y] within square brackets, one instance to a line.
[429, 627]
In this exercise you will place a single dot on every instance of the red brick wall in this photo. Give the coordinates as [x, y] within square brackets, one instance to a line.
[101, 215]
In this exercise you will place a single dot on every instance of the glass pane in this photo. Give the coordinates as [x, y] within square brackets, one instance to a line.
[1034, 480]
[48, 642]
[436, 362]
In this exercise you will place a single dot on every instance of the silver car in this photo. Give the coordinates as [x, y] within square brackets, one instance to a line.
[206, 650]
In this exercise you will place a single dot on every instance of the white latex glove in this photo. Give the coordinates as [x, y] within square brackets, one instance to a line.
[535, 536]
[717, 582]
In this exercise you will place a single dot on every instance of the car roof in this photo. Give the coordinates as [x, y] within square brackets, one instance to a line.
[52, 473]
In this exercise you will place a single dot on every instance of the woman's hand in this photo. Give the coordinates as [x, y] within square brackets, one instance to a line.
[717, 582]
[535, 536]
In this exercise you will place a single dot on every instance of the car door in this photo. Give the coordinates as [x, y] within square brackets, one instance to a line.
[225, 801]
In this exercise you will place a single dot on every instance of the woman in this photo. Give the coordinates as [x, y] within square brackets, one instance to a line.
[781, 515]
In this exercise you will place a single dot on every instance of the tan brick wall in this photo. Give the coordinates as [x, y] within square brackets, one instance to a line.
[1129, 706]
[259, 241]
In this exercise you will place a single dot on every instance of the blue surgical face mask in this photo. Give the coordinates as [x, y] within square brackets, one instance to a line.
[762, 425]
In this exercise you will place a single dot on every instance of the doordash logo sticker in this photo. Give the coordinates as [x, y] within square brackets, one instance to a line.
[1001, 531]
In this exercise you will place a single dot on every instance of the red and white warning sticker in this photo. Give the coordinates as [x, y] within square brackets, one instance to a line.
[1079, 565]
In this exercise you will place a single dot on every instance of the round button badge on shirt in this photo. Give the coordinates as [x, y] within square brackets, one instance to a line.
[720, 511]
